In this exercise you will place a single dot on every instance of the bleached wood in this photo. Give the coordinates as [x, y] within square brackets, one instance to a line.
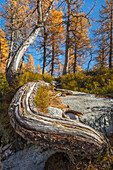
[58, 133]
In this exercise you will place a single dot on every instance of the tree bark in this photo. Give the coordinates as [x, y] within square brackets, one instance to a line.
[65, 69]
[91, 54]
[60, 133]
[53, 56]
[44, 57]
[111, 32]
[75, 58]
[103, 58]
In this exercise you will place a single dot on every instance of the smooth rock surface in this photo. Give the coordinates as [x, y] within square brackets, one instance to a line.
[54, 112]
[97, 112]
[33, 158]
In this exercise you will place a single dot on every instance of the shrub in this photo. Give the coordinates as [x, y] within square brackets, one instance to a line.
[28, 76]
[48, 78]
[42, 98]
[97, 82]
[4, 87]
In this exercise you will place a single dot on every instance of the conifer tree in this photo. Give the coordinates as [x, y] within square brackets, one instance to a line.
[80, 41]
[104, 35]
[55, 31]
[3, 51]
[73, 9]
[30, 63]
[17, 23]
[39, 70]
[50, 41]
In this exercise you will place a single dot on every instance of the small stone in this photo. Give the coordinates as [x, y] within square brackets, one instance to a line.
[54, 112]
[58, 95]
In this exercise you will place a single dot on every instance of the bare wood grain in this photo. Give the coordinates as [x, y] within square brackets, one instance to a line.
[58, 133]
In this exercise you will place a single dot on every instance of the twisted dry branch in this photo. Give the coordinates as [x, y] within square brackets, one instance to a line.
[56, 132]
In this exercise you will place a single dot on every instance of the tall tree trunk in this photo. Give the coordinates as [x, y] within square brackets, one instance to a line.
[53, 55]
[91, 54]
[103, 58]
[11, 49]
[111, 31]
[44, 56]
[75, 58]
[65, 69]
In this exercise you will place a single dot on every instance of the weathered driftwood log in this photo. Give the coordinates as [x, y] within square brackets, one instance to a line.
[59, 133]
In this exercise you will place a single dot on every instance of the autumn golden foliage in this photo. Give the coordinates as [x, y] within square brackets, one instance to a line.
[3, 51]
[30, 63]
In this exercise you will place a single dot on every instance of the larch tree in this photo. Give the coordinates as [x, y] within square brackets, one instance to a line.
[80, 41]
[104, 35]
[17, 23]
[55, 31]
[73, 7]
[44, 47]
[39, 70]
[41, 45]
[67, 42]
[30, 63]
[50, 41]
[3, 51]
[101, 52]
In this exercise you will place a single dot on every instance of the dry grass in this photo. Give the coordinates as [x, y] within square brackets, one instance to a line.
[45, 97]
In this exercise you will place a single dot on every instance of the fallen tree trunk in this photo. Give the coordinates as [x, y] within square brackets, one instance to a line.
[56, 132]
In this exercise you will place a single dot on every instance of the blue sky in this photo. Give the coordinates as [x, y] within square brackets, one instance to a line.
[94, 15]
[95, 12]
[89, 3]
